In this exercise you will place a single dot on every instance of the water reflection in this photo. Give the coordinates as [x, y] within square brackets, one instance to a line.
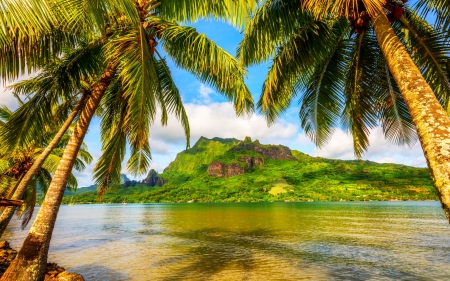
[275, 241]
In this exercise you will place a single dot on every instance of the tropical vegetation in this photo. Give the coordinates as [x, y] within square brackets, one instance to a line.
[305, 179]
[130, 84]
[16, 165]
[357, 64]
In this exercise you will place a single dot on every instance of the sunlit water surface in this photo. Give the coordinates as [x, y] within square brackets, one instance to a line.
[252, 241]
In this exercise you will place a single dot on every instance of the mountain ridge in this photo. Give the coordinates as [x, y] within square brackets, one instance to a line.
[302, 178]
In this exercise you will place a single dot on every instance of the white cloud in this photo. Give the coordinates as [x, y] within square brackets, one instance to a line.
[216, 119]
[205, 94]
[387, 159]
[7, 98]
[160, 147]
[380, 150]
[219, 120]
[84, 178]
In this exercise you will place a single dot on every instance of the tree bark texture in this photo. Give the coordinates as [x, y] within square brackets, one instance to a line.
[30, 263]
[430, 119]
[8, 212]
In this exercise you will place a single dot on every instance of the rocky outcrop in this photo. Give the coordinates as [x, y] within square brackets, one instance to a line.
[234, 169]
[258, 161]
[123, 178]
[278, 152]
[130, 183]
[54, 272]
[252, 161]
[216, 169]
[153, 179]
[221, 170]
[58, 273]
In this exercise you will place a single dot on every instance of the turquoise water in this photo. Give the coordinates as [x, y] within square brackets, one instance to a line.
[252, 241]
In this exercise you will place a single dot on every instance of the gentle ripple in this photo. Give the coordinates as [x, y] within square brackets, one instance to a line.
[252, 241]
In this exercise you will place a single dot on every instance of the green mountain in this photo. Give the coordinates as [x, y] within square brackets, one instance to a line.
[229, 170]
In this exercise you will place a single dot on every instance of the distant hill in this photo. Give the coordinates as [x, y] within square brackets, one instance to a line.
[91, 188]
[229, 170]
[123, 178]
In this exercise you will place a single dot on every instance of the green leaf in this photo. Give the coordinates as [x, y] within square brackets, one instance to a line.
[292, 66]
[359, 115]
[208, 62]
[322, 101]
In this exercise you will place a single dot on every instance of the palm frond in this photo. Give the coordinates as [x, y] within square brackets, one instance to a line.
[140, 159]
[72, 183]
[27, 209]
[321, 103]
[171, 97]
[140, 81]
[270, 26]
[235, 12]
[84, 155]
[440, 9]
[429, 49]
[95, 16]
[5, 113]
[7, 185]
[325, 8]
[44, 178]
[292, 66]
[32, 34]
[393, 113]
[52, 161]
[359, 116]
[5, 164]
[113, 135]
[208, 62]
[59, 81]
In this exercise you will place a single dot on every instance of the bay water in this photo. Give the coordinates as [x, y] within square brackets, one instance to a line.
[251, 241]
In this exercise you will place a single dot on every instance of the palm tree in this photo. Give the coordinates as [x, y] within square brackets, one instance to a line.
[17, 164]
[50, 96]
[440, 9]
[352, 64]
[132, 61]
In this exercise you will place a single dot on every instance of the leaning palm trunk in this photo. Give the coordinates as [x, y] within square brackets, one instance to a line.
[8, 212]
[429, 117]
[30, 263]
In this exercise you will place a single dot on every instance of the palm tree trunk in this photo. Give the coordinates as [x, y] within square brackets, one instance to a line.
[8, 212]
[429, 117]
[30, 263]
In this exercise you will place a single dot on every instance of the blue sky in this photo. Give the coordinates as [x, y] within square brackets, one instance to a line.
[210, 115]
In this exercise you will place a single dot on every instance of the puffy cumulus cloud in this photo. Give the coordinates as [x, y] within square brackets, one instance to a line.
[6, 96]
[341, 147]
[160, 147]
[205, 93]
[218, 119]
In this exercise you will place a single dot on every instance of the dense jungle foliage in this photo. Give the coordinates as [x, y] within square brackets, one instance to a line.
[307, 179]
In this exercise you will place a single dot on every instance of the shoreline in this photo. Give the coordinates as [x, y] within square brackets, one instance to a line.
[54, 272]
[242, 202]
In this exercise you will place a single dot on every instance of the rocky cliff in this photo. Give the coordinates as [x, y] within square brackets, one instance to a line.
[244, 163]
[152, 179]
[278, 152]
